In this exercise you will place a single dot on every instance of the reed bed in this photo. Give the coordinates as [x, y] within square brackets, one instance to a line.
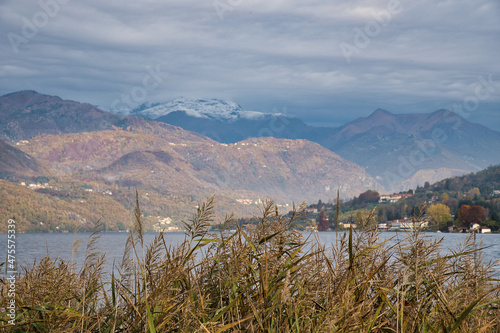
[265, 278]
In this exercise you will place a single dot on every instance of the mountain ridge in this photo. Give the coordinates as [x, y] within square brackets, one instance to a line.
[26, 114]
[15, 164]
[173, 177]
[392, 148]
[241, 166]
[384, 143]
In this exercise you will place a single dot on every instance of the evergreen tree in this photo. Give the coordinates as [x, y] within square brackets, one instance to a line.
[323, 224]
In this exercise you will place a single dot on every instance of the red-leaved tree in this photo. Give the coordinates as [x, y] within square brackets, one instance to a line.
[472, 214]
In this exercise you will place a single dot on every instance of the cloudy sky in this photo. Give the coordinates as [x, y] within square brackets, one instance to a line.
[326, 62]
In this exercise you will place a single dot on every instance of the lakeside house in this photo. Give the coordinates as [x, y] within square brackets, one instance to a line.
[407, 224]
[348, 225]
[432, 200]
[383, 226]
[485, 230]
[473, 228]
[391, 198]
[454, 228]
[480, 229]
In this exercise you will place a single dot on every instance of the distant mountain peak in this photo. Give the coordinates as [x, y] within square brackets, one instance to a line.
[207, 108]
[380, 112]
[21, 93]
[444, 114]
[379, 118]
[27, 114]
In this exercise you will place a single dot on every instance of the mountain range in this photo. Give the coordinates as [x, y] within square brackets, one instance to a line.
[178, 153]
[223, 121]
[400, 151]
[26, 114]
[92, 161]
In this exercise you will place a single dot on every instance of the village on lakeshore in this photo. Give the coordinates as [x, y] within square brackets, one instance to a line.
[436, 208]
[391, 212]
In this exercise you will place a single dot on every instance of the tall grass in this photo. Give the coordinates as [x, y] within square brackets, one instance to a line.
[265, 278]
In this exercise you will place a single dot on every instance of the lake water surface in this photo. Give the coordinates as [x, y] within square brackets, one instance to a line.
[31, 246]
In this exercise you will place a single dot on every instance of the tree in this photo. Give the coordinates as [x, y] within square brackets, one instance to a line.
[495, 216]
[42, 180]
[472, 214]
[381, 215]
[359, 219]
[390, 213]
[323, 224]
[453, 204]
[365, 219]
[439, 214]
[473, 192]
[369, 197]
[444, 198]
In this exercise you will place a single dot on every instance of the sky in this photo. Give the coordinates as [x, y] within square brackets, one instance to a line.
[325, 62]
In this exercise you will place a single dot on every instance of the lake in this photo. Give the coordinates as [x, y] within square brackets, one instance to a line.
[31, 246]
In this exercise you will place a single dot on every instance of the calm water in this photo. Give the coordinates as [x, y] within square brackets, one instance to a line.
[31, 246]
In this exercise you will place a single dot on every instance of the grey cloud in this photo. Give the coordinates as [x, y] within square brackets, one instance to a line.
[263, 54]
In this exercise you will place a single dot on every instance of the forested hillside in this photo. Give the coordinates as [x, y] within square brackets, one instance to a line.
[461, 201]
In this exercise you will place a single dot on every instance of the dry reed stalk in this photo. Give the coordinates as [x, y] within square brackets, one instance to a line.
[268, 278]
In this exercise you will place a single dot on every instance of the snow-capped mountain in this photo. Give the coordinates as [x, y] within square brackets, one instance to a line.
[222, 120]
[213, 109]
